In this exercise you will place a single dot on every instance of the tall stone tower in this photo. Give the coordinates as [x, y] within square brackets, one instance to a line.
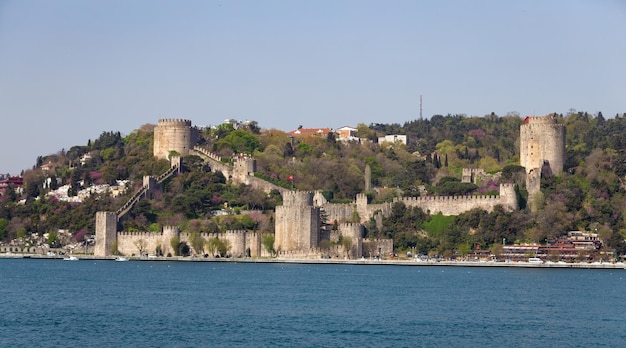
[542, 140]
[542, 147]
[298, 222]
[508, 196]
[244, 166]
[106, 232]
[173, 135]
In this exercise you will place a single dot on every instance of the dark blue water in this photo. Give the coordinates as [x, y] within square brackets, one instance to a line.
[168, 304]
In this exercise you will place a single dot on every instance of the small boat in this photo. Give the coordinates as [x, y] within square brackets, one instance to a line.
[71, 258]
[121, 259]
[535, 260]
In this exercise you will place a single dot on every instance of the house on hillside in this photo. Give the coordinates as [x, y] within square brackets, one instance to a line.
[393, 138]
[303, 132]
[15, 181]
[347, 134]
[46, 167]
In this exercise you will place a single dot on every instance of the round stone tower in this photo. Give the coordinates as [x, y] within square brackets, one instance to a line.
[173, 135]
[542, 140]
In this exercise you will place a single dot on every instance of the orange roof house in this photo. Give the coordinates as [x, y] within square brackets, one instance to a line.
[303, 132]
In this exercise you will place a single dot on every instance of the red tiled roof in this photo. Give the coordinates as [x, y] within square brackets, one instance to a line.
[310, 131]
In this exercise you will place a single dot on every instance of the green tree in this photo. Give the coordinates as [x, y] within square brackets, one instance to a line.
[219, 246]
[53, 239]
[346, 243]
[211, 246]
[21, 232]
[3, 227]
[268, 243]
[141, 246]
[197, 242]
[239, 141]
[223, 247]
[114, 250]
[175, 244]
[497, 250]
[464, 249]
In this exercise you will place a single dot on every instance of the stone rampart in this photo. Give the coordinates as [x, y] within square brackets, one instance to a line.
[377, 247]
[215, 161]
[130, 243]
[338, 212]
[450, 205]
[455, 205]
[263, 185]
[311, 254]
[241, 242]
[354, 231]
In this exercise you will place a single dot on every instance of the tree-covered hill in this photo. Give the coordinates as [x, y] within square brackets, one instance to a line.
[588, 195]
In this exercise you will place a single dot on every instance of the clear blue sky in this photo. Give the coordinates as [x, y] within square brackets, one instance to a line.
[70, 70]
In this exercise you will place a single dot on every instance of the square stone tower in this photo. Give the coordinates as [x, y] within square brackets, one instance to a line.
[106, 232]
[298, 223]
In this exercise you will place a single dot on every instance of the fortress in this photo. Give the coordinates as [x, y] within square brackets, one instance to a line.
[303, 223]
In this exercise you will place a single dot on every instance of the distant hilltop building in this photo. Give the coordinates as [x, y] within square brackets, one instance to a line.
[303, 132]
[7, 181]
[542, 141]
[393, 138]
[347, 133]
[174, 135]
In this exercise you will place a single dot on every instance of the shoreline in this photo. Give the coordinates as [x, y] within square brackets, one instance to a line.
[393, 262]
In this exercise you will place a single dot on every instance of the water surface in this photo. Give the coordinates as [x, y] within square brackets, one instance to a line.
[198, 304]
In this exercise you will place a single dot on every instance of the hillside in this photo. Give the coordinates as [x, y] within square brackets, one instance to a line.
[588, 195]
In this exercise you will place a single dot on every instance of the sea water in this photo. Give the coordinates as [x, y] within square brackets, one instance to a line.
[86, 303]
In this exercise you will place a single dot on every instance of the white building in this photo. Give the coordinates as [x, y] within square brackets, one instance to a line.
[393, 138]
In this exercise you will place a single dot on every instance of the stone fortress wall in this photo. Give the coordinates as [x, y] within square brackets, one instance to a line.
[455, 205]
[242, 243]
[174, 135]
[446, 205]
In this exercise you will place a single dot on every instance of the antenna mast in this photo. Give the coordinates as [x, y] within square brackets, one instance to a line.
[420, 106]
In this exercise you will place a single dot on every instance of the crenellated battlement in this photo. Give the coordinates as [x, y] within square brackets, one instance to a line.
[548, 119]
[208, 153]
[507, 186]
[140, 234]
[541, 126]
[445, 198]
[297, 198]
[454, 205]
[174, 122]
[171, 229]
